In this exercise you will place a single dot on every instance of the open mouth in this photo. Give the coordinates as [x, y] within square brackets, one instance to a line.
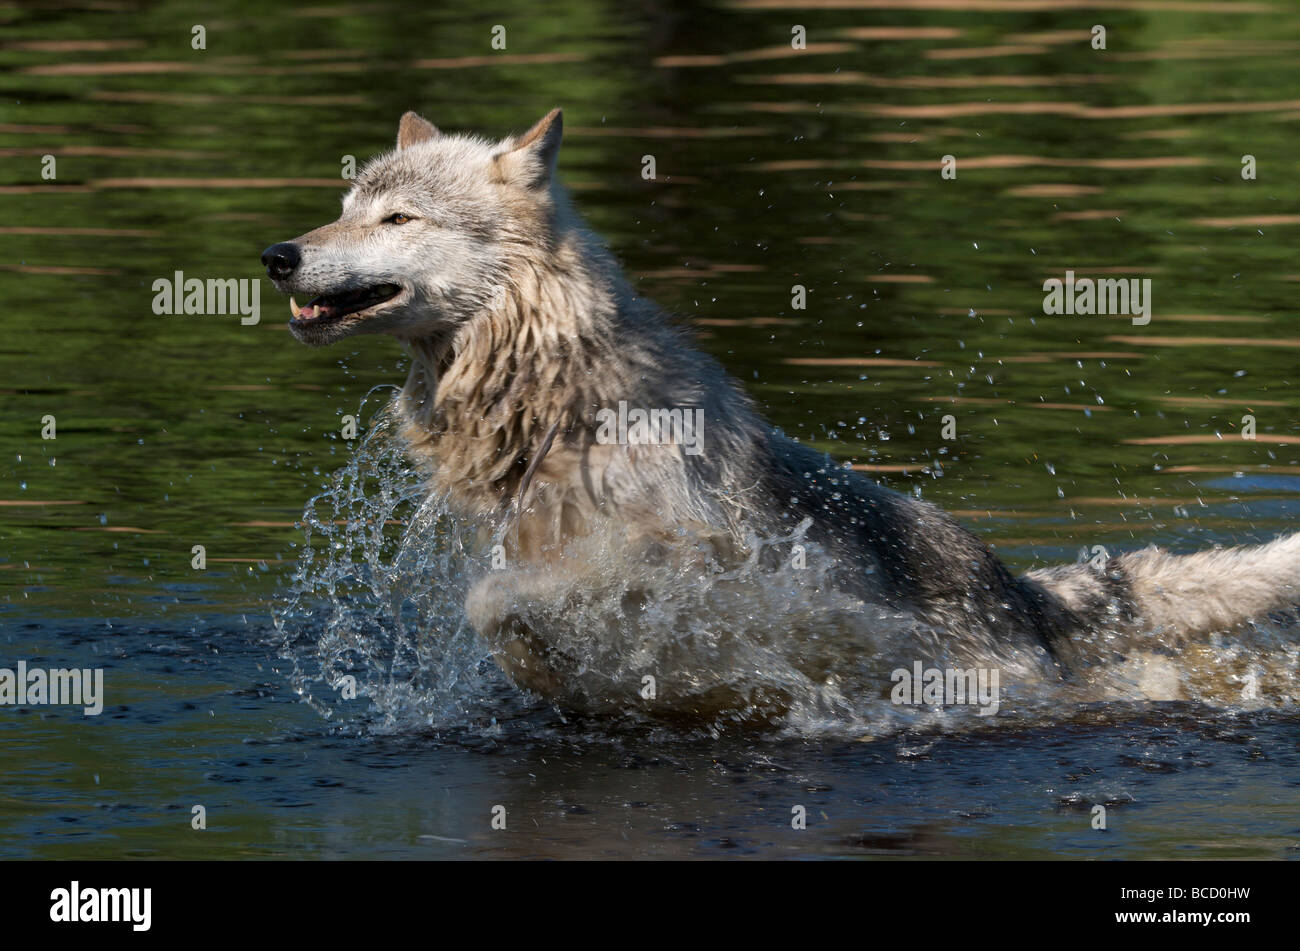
[330, 307]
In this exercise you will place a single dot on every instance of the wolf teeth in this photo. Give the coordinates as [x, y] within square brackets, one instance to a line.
[293, 306]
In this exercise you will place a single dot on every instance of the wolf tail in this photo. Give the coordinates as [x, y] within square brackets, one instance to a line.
[1214, 590]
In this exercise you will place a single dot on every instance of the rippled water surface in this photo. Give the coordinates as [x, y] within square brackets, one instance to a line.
[775, 167]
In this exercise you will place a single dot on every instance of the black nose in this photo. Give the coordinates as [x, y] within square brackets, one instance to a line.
[281, 259]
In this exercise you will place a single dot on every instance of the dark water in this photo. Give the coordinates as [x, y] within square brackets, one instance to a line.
[775, 167]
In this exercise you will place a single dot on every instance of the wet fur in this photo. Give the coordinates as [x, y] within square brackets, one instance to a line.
[521, 326]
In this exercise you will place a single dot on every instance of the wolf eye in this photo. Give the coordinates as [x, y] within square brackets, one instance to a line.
[397, 219]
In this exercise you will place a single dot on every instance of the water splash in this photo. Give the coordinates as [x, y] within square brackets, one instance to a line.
[375, 606]
[374, 628]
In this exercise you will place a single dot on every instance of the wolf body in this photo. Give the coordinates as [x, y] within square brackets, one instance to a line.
[522, 330]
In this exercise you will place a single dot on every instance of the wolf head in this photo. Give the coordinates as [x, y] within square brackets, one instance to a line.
[425, 237]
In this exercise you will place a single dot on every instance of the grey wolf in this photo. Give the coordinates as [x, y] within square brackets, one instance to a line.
[524, 335]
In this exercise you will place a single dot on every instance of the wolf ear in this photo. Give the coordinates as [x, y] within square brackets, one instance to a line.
[413, 129]
[533, 155]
